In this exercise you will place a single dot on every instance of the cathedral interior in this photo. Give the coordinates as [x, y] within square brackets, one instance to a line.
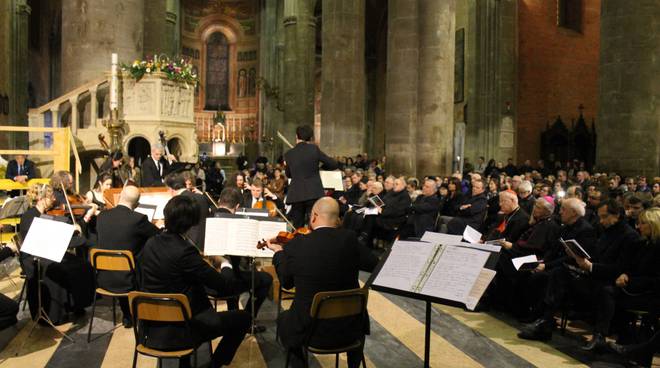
[432, 85]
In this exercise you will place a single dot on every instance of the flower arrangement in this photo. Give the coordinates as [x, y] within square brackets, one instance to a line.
[177, 70]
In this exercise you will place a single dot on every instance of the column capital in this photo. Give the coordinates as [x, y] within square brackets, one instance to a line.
[74, 100]
[23, 8]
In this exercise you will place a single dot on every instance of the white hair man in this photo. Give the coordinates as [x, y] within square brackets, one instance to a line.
[512, 224]
[525, 197]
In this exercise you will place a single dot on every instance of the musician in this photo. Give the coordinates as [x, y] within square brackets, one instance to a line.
[121, 228]
[8, 307]
[63, 179]
[103, 182]
[20, 169]
[258, 193]
[113, 164]
[303, 169]
[176, 183]
[67, 286]
[171, 263]
[155, 168]
[328, 259]
[229, 201]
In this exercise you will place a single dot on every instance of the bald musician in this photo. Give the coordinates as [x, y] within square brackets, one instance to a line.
[328, 259]
[121, 228]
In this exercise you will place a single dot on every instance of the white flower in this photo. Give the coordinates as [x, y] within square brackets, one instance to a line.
[148, 70]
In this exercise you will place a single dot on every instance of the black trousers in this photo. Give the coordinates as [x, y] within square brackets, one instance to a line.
[563, 285]
[299, 214]
[8, 311]
[613, 301]
[232, 326]
[292, 336]
[262, 284]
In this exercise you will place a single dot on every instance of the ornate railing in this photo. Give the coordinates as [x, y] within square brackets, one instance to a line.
[236, 128]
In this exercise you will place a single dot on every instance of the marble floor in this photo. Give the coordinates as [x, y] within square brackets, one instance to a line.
[458, 339]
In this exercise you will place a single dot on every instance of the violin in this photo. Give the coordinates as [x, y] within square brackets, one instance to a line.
[283, 237]
[78, 206]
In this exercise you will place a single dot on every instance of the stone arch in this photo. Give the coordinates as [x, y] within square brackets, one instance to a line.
[139, 147]
[176, 146]
[232, 31]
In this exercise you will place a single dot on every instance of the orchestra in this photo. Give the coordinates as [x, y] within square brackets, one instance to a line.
[335, 234]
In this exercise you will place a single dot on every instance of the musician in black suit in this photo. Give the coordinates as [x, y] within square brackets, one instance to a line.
[20, 169]
[259, 193]
[170, 263]
[176, 182]
[302, 166]
[328, 259]
[228, 203]
[121, 228]
[423, 212]
[154, 168]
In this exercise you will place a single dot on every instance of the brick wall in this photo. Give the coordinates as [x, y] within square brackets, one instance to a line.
[558, 70]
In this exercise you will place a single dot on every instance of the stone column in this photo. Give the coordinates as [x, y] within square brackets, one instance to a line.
[160, 27]
[402, 86]
[299, 63]
[13, 70]
[492, 62]
[92, 30]
[343, 77]
[435, 128]
[628, 130]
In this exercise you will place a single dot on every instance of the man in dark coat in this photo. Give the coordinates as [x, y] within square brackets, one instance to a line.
[423, 212]
[302, 166]
[472, 212]
[20, 169]
[154, 168]
[177, 184]
[328, 259]
[121, 228]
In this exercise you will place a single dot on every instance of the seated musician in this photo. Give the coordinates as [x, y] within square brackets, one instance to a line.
[8, 307]
[328, 259]
[155, 168]
[176, 183]
[229, 201]
[69, 285]
[95, 195]
[259, 193]
[170, 263]
[121, 228]
[113, 165]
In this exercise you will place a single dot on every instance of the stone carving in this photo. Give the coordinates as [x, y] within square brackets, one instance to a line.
[242, 83]
[506, 133]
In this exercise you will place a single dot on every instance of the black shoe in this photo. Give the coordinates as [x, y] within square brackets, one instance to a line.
[596, 344]
[258, 329]
[127, 322]
[540, 331]
[618, 348]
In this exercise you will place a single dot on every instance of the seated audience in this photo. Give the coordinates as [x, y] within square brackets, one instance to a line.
[513, 221]
[472, 212]
[390, 217]
[422, 213]
[526, 199]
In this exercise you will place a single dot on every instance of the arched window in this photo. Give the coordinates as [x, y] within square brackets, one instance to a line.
[217, 72]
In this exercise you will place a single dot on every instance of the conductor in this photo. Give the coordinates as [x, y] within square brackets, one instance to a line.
[302, 166]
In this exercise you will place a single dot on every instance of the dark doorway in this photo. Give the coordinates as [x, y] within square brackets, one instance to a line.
[140, 149]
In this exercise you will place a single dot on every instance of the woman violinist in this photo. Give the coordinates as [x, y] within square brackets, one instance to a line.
[72, 276]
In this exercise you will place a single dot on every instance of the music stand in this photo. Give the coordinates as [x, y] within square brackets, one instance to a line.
[47, 239]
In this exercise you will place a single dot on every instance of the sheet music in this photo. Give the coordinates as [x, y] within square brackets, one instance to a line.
[455, 273]
[48, 239]
[146, 209]
[519, 261]
[485, 277]
[332, 180]
[370, 211]
[440, 238]
[158, 199]
[407, 260]
[471, 235]
[239, 236]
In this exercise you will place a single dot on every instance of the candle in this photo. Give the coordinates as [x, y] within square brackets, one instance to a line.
[114, 83]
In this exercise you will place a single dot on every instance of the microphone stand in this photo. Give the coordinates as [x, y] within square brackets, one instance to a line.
[41, 313]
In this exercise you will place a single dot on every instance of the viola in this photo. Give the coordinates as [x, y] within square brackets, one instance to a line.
[283, 237]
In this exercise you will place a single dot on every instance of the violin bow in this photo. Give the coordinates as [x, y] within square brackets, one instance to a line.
[68, 204]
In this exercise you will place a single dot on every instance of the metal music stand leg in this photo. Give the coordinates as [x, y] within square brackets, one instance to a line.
[42, 315]
[427, 336]
[253, 314]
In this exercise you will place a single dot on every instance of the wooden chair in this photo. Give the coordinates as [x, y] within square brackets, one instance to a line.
[163, 308]
[111, 261]
[330, 305]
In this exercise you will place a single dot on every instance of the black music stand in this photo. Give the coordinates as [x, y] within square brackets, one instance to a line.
[491, 263]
